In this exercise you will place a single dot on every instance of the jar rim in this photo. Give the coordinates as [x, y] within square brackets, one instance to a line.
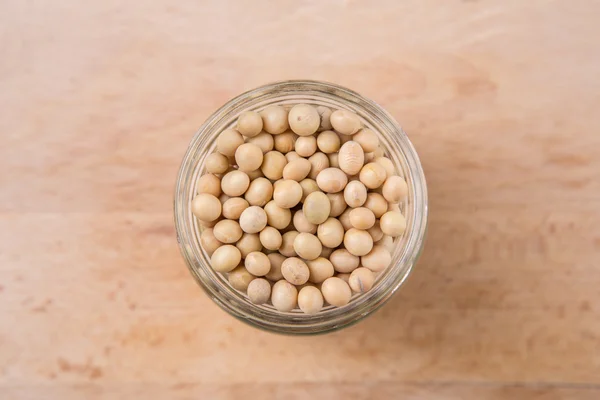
[403, 258]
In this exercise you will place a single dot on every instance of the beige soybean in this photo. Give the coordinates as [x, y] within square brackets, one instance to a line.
[209, 242]
[287, 193]
[248, 157]
[285, 142]
[367, 139]
[276, 260]
[264, 141]
[373, 175]
[336, 292]
[275, 119]
[331, 233]
[344, 277]
[326, 252]
[338, 204]
[225, 258]
[249, 123]
[235, 183]
[277, 217]
[362, 218]
[233, 207]
[376, 203]
[297, 170]
[375, 232]
[369, 157]
[284, 296]
[387, 242]
[304, 119]
[332, 180]
[287, 243]
[361, 280]
[259, 192]
[223, 198]
[325, 114]
[307, 246]
[318, 161]
[216, 163]
[345, 219]
[257, 263]
[210, 184]
[328, 142]
[253, 219]
[316, 208]
[343, 261]
[240, 278]
[248, 243]
[355, 194]
[227, 231]
[270, 238]
[306, 146]
[320, 269]
[291, 156]
[302, 224]
[207, 207]
[394, 189]
[378, 259]
[358, 242]
[259, 291]
[295, 271]
[255, 174]
[228, 142]
[273, 164]
[345, 122]
[308, 186]
[387, 164]
[310, 300]
[351, 158]
[393, 223]
[334, 160]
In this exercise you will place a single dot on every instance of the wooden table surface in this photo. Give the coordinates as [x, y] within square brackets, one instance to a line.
[98, 101]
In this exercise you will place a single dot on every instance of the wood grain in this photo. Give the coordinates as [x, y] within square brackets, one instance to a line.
[99, 100]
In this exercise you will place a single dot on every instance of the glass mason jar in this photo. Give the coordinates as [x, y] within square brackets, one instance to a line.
[396, 146]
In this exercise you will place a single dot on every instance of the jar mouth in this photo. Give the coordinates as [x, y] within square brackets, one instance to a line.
[397, 147]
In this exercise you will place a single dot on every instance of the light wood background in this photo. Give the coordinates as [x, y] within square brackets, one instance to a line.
[99, 99]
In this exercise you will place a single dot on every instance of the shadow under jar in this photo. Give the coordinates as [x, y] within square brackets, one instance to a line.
[397, 148]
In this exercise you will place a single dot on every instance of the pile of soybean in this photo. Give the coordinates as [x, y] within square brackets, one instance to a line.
[299, 206]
